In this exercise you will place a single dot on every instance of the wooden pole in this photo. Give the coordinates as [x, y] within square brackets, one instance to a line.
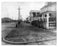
[18, 13]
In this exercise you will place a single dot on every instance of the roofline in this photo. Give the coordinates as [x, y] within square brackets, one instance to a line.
[47, 6]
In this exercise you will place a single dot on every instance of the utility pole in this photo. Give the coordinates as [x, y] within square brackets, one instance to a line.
[18, 13]
[19, 18]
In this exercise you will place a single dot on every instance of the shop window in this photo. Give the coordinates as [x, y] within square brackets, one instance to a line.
[52, 19]
[52, 25]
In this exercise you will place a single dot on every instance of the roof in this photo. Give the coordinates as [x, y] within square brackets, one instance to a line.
[48, 11]
[48, 4]
[34, 11]
[52, 12]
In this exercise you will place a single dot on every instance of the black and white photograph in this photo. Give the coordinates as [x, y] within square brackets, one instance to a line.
[29, 23]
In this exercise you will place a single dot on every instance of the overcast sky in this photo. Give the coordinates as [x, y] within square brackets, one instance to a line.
[10, 9]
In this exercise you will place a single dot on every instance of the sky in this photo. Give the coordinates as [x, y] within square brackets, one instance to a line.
[10, 9]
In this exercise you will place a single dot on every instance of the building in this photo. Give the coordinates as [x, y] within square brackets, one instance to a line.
[46, 17]
[49, 14]
[34, 15]
[51, 6]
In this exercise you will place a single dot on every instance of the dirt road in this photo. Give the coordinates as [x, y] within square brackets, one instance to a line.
[32, 34]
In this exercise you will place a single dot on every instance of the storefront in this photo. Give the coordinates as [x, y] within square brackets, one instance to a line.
[49, 18]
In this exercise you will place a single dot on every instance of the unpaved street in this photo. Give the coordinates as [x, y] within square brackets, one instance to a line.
[30, 34]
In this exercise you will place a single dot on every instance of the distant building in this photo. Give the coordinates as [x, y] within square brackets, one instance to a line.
[34, 15]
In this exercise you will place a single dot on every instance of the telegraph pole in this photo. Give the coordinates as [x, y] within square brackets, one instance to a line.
[18, 13]
[19, 18]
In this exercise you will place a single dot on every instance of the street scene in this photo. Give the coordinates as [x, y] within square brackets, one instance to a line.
[29, 23]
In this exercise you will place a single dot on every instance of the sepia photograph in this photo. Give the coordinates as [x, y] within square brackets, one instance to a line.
[29, 23]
